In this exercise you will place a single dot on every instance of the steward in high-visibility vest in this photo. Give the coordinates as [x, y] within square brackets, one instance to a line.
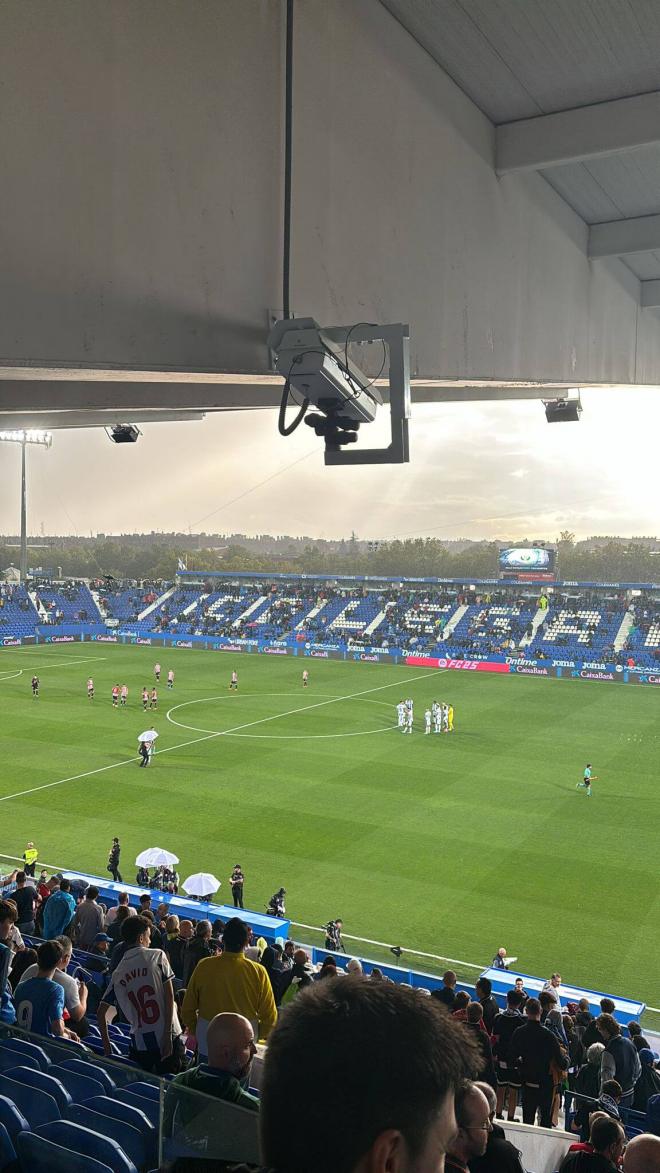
[30, 855]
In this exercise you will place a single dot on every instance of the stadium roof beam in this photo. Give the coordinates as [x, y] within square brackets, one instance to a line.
[650, 294]
[572, 136]
[616, 238]
[57, 420]
[99, 404]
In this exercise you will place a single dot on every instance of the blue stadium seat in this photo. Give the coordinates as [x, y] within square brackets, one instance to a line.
[23, 1047]
[9, 1059]
[8, 1158]
[12, 1118]
[80, 1087]
[92, 1071]
[128, 1113]
[125, 1096]
[38, 1155]
[42, 1082]
[37, 1106]
[133, 1143]
[142, 1088]
[89, 1144]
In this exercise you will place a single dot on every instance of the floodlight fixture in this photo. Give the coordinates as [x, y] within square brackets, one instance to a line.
[559, 411]
[123, 433]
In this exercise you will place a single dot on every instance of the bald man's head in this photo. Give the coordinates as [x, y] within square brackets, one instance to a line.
[230, 1044]
[643, 1154]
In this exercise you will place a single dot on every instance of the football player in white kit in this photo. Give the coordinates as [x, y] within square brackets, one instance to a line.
[409, 717]
[445, 718]
[436, 717]
[401, 715]
[427, 721]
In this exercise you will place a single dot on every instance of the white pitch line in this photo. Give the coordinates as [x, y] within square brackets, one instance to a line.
[210, 736]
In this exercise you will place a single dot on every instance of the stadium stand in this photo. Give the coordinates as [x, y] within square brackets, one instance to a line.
[60, 1097]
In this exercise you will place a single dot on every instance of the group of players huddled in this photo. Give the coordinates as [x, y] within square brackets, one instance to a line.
[439, 718]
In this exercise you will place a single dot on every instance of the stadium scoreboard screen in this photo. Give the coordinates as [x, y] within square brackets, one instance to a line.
[528, 563]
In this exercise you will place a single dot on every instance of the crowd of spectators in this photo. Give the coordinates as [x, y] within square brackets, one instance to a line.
[436, 1080]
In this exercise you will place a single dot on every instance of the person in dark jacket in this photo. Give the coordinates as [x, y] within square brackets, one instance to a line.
[446, 993]
[648, 1083]
[607, 1139]
[637, 1038]
[535, 1051]
[488, 1002]
[505, 1025]
[113, 861]
[177, 946]
[200, 947]
[501, 1156]
[620, 1059]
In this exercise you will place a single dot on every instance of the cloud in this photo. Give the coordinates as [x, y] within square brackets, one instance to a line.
[477, 470]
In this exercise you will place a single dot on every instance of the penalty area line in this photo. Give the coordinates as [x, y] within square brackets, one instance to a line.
[209, 737]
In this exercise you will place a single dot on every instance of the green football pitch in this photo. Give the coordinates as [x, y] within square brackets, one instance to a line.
[450, 844]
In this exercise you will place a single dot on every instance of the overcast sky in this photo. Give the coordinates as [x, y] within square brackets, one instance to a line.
[476, 470]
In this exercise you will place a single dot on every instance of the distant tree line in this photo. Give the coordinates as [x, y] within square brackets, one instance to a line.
[617, 560]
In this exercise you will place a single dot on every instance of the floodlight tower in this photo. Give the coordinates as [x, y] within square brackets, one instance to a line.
[24, 438]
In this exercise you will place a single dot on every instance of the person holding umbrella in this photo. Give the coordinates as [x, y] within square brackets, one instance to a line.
[146, 746]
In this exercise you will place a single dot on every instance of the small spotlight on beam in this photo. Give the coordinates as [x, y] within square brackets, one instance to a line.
[124, 433]
[562, 410]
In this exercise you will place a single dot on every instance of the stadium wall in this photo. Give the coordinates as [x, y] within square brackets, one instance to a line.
[503, 665]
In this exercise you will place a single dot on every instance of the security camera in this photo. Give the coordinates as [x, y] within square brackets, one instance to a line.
[321, 372]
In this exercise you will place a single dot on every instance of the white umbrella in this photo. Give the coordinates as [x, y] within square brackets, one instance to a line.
[201, 884]
[155, 857]
[148, 735]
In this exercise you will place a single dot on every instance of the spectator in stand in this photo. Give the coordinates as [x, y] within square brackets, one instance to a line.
[473, 1118]
[501, 1156]
[301, 975]
[393, 1110]
[642, 1154]
[177, 945]
[26, 900]
[40, 1000]
[461, 1003]
[75, 992]
[536, 1053]
[59, 911]
[552, 987]
[199, 948]
[226, 1076]
[122, 902]
[474, 1023]
[99, 959]
[637, 1038]
[229, 982]
[648, 1083]
[446, 994]
[607, 1139]
[591, 1034]
[7, 919]
[114, 930]
[505, 1025]
[142, 987]
[620, 1060]
[587, 1083]
[88, 919]
[519, 985]
[22, 962]
[488, 1002]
